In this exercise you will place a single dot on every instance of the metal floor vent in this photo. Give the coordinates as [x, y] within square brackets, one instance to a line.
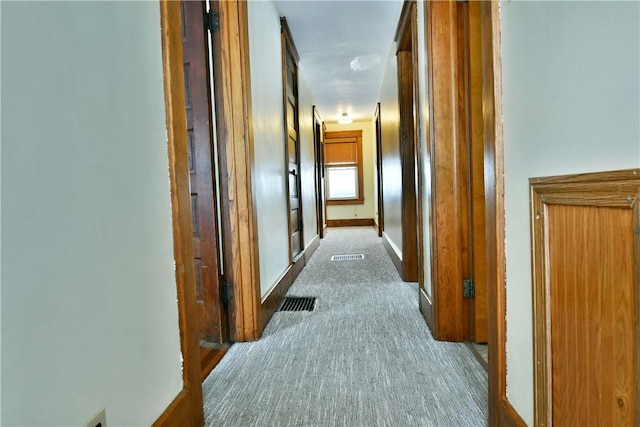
[349, 257]
[298, 304]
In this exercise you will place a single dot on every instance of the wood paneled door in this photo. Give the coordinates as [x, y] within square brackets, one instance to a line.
[586, 259]
[292, 141]
[212, 316]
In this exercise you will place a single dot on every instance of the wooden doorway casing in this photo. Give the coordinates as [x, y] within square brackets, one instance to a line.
[321, 200]
[379, 174]
[186, 409]
[293, 185]
[236, 154]
[455, 150]
[501, 413]
[407, 57]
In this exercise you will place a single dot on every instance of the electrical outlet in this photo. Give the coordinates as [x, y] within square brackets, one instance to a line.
[99, 419]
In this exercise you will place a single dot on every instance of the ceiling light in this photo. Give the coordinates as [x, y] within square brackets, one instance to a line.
[365, 62]
[345, 119]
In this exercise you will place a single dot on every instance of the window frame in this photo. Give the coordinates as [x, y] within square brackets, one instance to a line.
[339, 137]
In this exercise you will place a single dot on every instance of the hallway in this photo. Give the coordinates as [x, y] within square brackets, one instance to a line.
[363, 357]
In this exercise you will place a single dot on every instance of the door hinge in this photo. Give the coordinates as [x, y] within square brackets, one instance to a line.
[468, 288]
[212, 21]
[226, 293]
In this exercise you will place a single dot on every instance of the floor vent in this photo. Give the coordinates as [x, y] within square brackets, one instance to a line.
[298, 304]
[349, 257]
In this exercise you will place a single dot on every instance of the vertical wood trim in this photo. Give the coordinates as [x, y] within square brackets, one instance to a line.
[236, 163]
[170, 20]
[446, 126]
[318, 154]
[494, 207]
[417, 147]
[379, 174]
[476, 135]
[636, 302]
[284, 48]
[463, 161]
[407, 96]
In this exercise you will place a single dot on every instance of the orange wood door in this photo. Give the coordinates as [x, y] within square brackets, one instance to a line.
[206, 249]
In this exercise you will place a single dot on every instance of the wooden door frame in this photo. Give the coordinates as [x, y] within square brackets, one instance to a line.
[239, 223]
[318, 153]
[501, 412]
[378, 124]
[289, 48]
[407, 43]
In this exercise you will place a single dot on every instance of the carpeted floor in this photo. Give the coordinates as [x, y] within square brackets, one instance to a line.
[364, 357]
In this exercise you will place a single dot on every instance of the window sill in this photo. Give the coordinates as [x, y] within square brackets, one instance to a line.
[359, 201]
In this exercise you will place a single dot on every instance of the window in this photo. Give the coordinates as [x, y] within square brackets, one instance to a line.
[343, 167]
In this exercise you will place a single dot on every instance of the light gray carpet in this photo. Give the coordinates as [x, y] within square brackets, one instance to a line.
[364, 357]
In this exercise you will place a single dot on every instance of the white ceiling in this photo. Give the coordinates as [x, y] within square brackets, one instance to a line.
[343, 47]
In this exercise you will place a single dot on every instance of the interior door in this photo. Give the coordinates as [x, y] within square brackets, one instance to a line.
[211, 312]
[293, 151]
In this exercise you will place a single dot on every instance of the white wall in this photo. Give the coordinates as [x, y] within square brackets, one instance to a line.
[89, 313]
[571, 104]
[307, 160]
[368, 209]
[269, 172]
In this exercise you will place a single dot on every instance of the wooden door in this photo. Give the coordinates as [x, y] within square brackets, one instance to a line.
[292, 143]
[211, 312]
[586, 262]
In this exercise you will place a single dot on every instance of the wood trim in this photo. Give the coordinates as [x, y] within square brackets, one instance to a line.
[235, 133]
[334, 135]
[358, 201]
[283, 284]
[311, 248]
[509, 417]
[479, 307]
[619, 189]
[179, 413]
[395, 256]
[286, 32]
[403, 37]
[426, 308]
[210, 356]
[494, 209]
[407, 98]
[187, 408]
[379, 175]
[449, 166]
[351, 222]
[318, 152]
